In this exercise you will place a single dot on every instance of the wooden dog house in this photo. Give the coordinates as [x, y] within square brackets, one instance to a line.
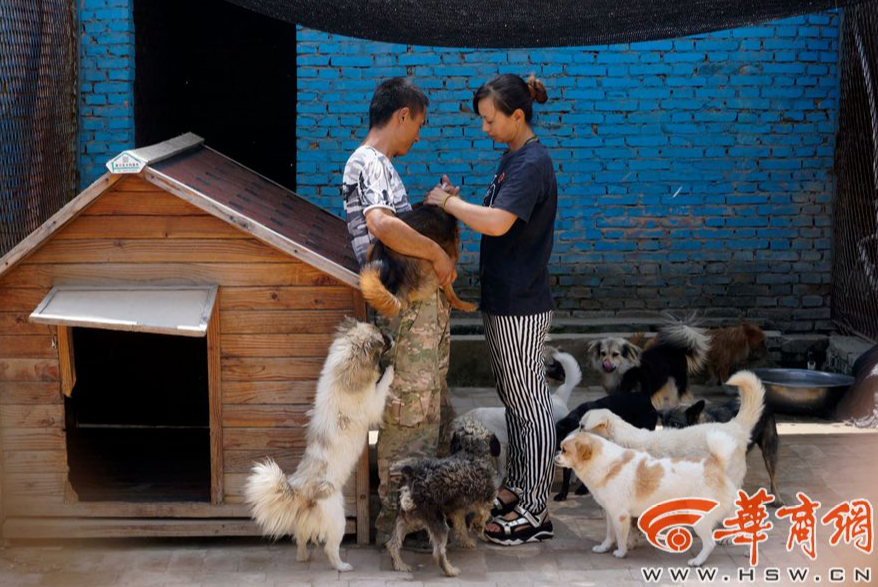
[159, 334]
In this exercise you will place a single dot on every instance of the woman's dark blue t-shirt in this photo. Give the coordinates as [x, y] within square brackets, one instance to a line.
[514, 267]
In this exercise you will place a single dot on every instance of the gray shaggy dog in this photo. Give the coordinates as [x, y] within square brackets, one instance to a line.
[433, 490]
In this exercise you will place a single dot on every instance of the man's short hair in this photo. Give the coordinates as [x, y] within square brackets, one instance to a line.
[390, 96]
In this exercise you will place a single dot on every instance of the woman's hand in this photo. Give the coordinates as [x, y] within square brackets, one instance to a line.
[436, 197]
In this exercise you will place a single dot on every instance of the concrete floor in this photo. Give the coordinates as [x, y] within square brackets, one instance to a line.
[829, 462]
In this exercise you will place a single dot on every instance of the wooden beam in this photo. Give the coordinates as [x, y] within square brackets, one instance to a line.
[33, 528]
[66, 362]
[215, 398]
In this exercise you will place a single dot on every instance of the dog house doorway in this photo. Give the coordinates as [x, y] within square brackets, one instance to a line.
[139, 369]
[138, 418]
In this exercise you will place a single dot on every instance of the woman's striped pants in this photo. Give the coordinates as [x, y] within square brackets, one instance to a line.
[516, 350]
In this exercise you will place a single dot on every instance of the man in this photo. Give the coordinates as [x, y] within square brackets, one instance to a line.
[418, 409]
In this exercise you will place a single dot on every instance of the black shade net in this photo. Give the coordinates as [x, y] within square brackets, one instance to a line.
[529, 23]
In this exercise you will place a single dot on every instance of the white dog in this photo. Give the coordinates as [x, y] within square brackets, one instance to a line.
[494, 419]
[691, 441]
[626, 483]
[350, 398]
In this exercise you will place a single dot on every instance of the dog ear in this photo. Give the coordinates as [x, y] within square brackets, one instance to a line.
[595, 347]
[584, 449]
[346, 324]
[632, 351]
[495, 446]
[693, 411]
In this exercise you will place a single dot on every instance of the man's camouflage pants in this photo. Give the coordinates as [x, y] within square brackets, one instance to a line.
[418, 410]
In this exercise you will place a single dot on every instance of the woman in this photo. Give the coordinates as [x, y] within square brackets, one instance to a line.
[516, 221]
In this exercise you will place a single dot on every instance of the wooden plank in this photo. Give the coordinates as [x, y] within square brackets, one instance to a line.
[134, 183]
[215, 401]
[158, 251]
[235, 487]
[33, 439]
[114, 509]
[66, 361]
[24, 461]
[17, 323]
[269, 392]
[32, 416]
[18, 392]
[41, 528]
[35, 239]
[28, 346]
[35, 484]
[242, 461]
[263, 439]
[21, 300]
[273, 416]
[261, 369]
[286, 298]
[361, 496]
[280, 322]
[36, 275]
[276, 345]
[29, 370]
[149, 227]
[152, 202]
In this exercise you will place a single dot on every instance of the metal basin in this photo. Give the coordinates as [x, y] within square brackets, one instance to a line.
[801, 391]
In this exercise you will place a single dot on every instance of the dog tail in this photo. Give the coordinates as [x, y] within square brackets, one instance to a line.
[272, 500]
[687, 335]
[752, 399]
[722, 446]
[374, 291]
[572, 375]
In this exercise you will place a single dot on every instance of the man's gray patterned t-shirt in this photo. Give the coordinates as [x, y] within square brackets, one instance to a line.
[370, 181]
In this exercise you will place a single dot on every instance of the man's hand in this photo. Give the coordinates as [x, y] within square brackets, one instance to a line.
[446, 185]
[437, 197]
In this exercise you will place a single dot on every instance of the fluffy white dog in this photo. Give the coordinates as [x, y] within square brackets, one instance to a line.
[627, 482]
[350, 398]
[691, 441]
[494, 419]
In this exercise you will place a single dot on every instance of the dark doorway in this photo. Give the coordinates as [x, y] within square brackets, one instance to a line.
[225, 73]
[138, 418]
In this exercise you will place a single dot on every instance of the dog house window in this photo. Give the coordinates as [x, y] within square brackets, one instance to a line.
[138, 415]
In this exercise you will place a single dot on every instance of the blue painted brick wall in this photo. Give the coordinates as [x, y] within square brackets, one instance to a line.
[693, 173]
[106, 104]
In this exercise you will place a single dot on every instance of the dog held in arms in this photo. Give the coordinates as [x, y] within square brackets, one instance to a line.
[390, 281]
[662, 371]
[350, 397]
[628, 482]
[432, 490]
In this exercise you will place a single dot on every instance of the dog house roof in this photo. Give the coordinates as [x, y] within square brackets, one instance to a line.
[187, 168]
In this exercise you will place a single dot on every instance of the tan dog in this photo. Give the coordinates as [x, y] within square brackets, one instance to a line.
[626, 483]
[731, 346]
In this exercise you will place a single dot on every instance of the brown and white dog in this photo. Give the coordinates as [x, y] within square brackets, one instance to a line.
[627, 482]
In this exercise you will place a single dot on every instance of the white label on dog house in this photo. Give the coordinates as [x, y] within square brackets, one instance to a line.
[125, 163]
[180, 310]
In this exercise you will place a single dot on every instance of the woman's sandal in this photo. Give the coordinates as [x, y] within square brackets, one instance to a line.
[525, 528]
[500, 507]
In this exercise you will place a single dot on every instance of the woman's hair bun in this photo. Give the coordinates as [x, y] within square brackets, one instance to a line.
[537, 89]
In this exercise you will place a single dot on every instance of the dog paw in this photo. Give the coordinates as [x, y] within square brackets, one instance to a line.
[619, 553]
[601, 549]
[343, 567]
[451, 571]
[560, 497]
[401, 567]
[467, 307]
[694, 562]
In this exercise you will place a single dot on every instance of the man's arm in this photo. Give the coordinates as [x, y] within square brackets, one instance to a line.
[402, 238]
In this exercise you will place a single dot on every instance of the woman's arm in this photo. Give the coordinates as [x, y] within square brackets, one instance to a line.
[489, 221]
